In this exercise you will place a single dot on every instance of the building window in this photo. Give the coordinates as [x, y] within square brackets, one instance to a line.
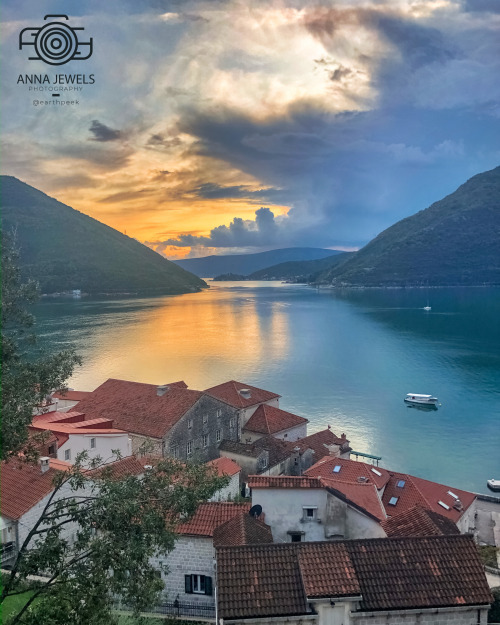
[67, 454]
[263, 462]
[205, 440]
[310, 513]
[190, 424]
[190, 448]
[174, 451]
[219, 412]
[296, 537]
[198, 584]
[231, 423]
[218, 436]
[205, 418]
[393, 501]
[92, 443]
[52, 449]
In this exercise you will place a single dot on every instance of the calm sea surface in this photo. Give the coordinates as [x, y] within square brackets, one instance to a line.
[346, 359]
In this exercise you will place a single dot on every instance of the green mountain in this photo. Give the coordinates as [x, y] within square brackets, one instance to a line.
[244, 264]
[300, 270]
[455, 241]
[64, 249]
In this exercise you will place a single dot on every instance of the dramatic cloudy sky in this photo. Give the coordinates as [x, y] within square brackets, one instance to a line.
[220, 126]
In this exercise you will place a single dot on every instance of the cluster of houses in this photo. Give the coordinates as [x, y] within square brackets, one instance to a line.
[301, 532]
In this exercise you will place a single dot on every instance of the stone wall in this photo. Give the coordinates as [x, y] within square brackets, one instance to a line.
[203, 427]
[191, 555]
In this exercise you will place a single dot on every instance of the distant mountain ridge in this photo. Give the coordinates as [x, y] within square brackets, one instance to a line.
[454, 242]
[64, 249]
[245, 264]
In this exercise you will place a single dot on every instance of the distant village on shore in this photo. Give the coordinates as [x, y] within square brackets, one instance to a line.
[302, 532]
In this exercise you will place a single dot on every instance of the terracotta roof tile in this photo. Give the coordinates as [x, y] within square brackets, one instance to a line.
[242, 530]
[319, 441]
[283, 481]
[136, 407]
[131, 465]
[260, 580]
[210, 515]
[230, 393]
[22, 486]
[225, 466]
[327, 571]
[271, 420]
[243, 449]
[389, 573]
[350, 471]
[418, 521]
[363, 496]
[426, 494]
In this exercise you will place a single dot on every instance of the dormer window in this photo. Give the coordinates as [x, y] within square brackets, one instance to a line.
[309, 513]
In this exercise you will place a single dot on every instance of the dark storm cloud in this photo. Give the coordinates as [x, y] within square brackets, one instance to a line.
[240, 233]
[213, 191]
[103, 133]
[159, 141]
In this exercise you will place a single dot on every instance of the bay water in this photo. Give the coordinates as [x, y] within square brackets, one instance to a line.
[344, 358]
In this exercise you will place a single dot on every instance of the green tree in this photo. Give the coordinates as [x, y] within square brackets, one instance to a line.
[28, 375]
[95, 538]
[97, 533]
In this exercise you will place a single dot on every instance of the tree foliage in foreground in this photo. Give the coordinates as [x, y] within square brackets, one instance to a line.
[95, 538]
[28, 375]
[96, 535]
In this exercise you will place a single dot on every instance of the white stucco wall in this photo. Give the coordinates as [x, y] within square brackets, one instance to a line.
[229, 492]
[191, 555]
[105, 443]
[467, 521]
[292, 434]
[333, 519]
[284, 510]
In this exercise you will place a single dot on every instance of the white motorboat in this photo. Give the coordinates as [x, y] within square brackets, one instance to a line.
[418, 398]
[427, 307]
[493, 484]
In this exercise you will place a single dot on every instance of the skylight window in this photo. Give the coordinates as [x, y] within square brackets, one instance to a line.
[443, 505]
[377, 472]
[336, 468]
[401, 483]
[453, 495]
[393, 501]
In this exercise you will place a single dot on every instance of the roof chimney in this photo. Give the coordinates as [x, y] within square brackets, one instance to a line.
[162, 389]
[245, 392]
[44, 463]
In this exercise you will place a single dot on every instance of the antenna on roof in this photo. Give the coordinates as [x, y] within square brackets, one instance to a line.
[255, 511]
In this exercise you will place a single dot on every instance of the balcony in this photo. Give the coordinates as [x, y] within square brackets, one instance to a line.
[8, 553]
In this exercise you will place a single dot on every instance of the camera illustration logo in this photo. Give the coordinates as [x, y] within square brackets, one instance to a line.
[56, 43]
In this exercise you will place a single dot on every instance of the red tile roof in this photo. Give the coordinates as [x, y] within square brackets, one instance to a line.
[259, 581]
[319, 441]
[418, 521]
[131, 465]
[242, 530]
[229, 393]
[225, 466]
[350, 471]
[283, 481]
[22, 486]
[210, 515]
[362, 496]
[270, 420]
[389, 574]
[321, 579]
[135, 407]
[426, 494]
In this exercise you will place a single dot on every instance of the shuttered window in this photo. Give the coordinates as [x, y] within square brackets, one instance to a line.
[198, 584]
